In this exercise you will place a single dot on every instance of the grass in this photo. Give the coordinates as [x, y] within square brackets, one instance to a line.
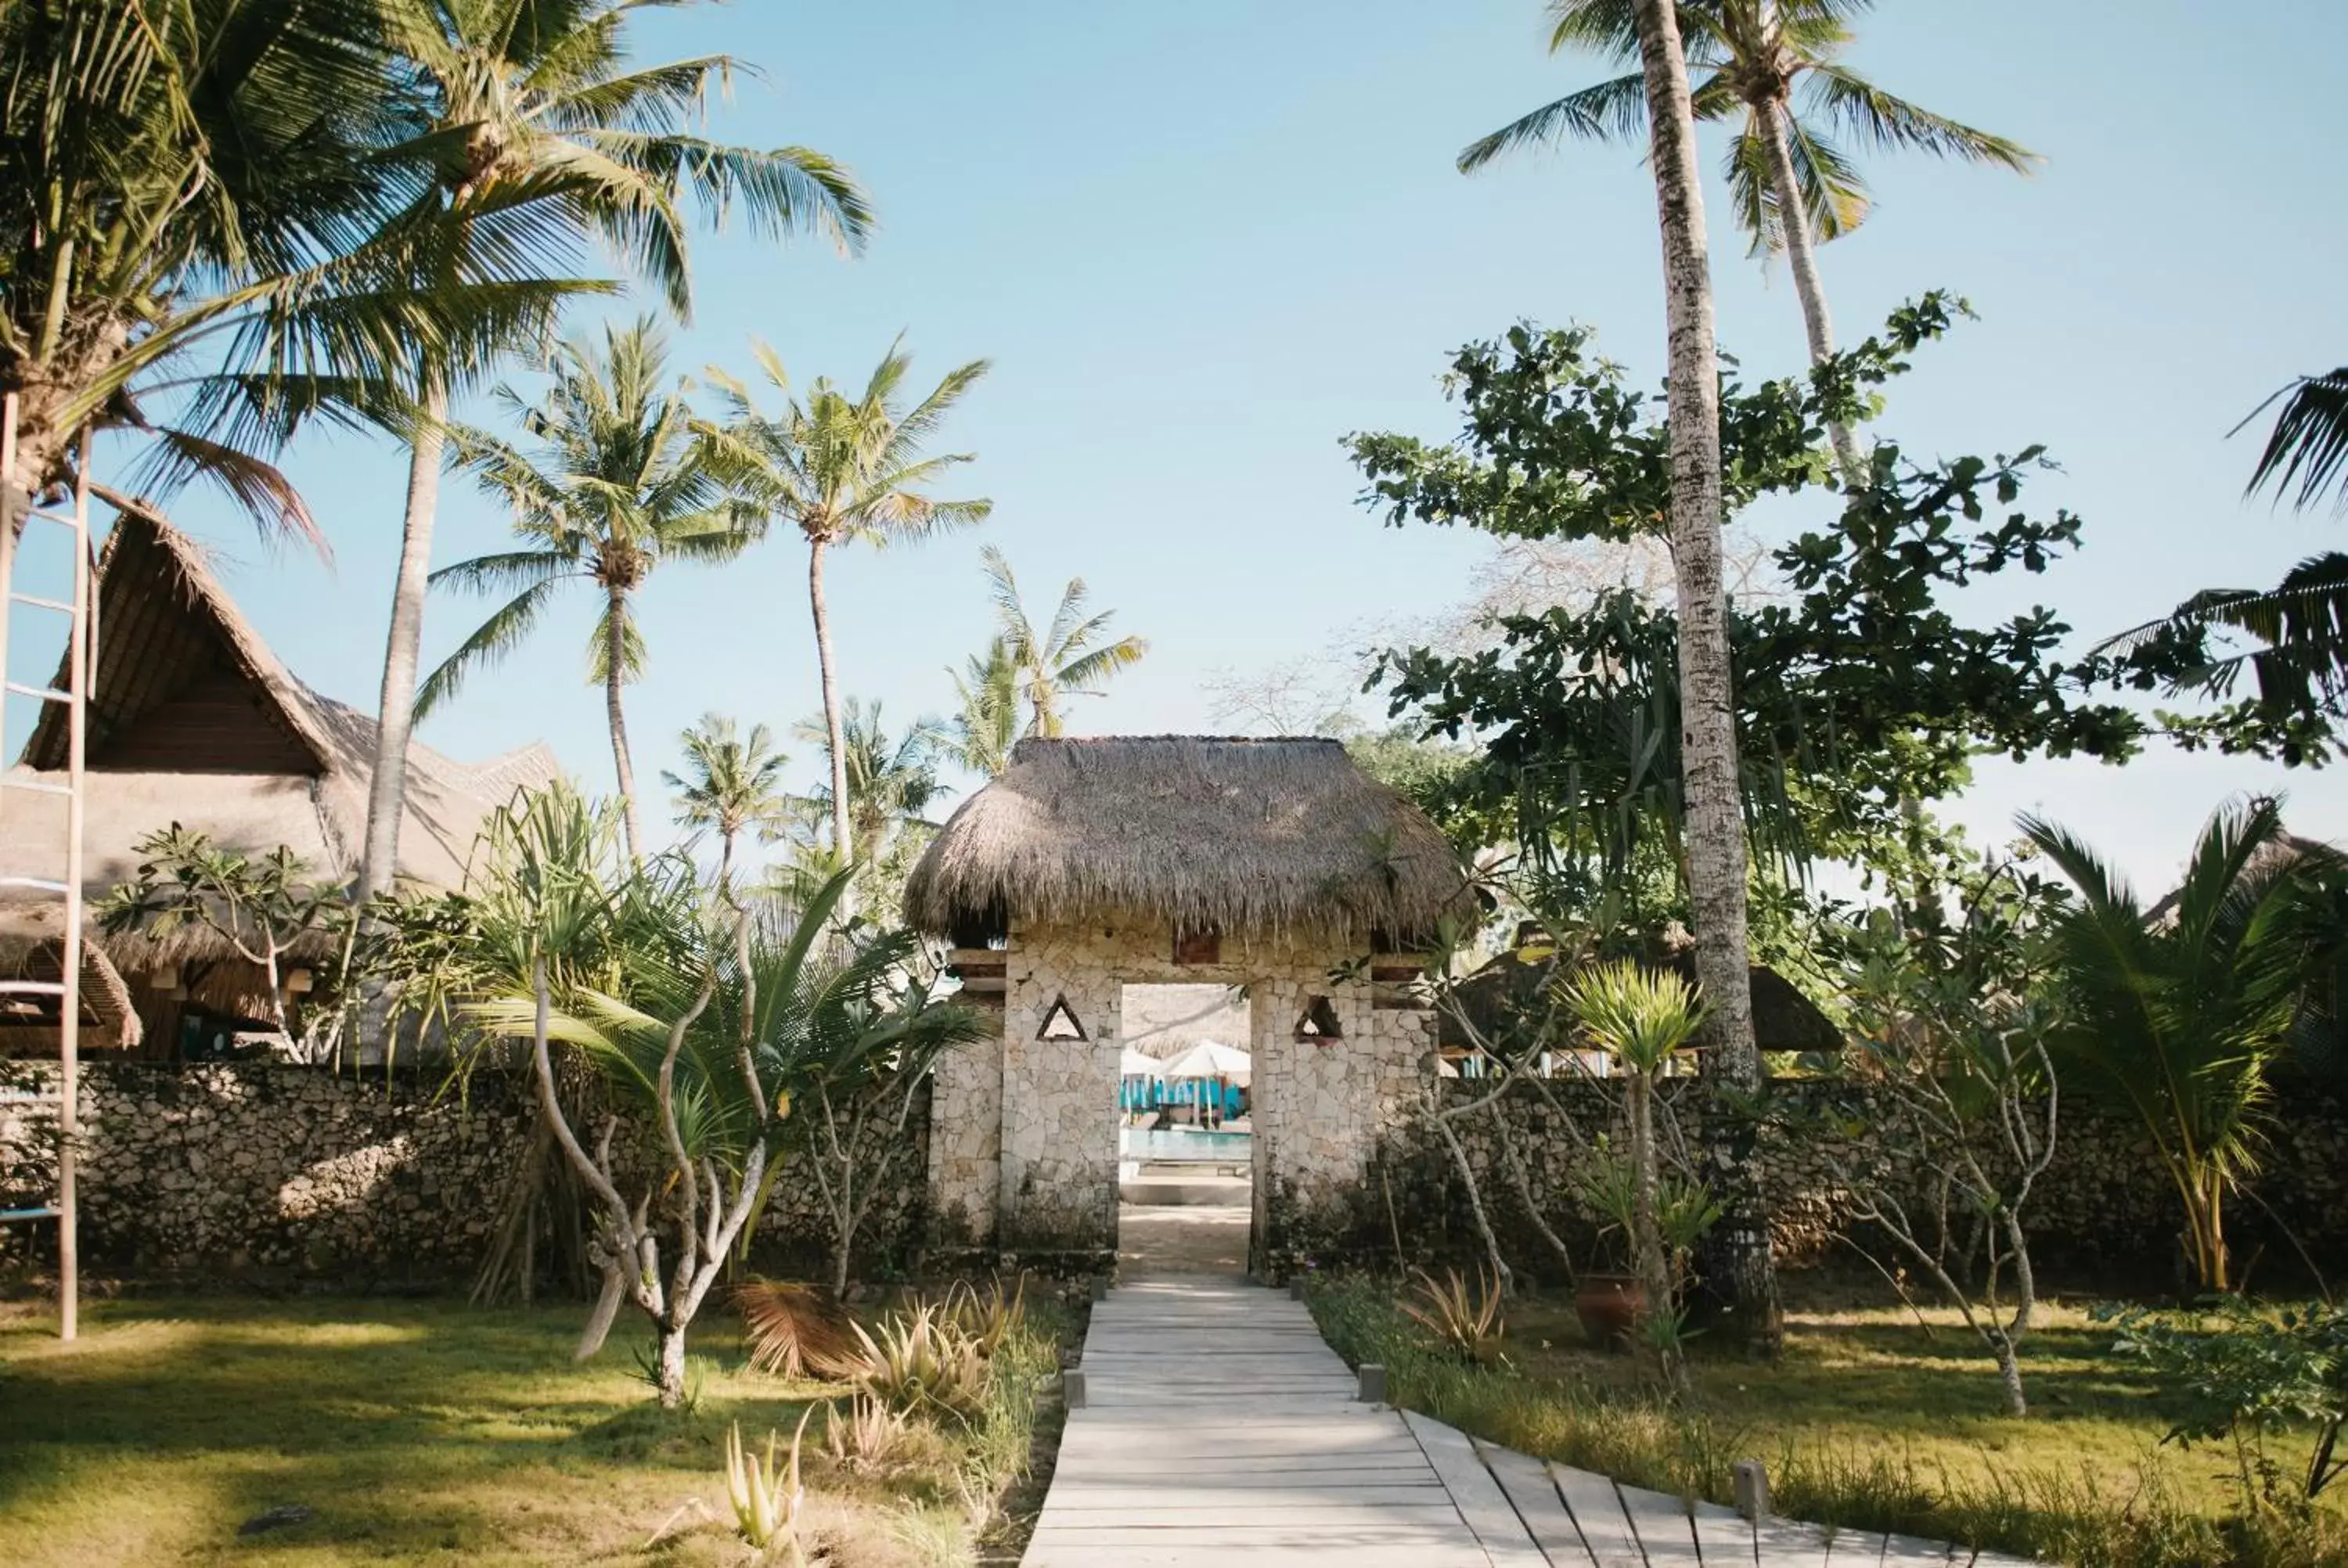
[426, 1431]
[1868, 1423]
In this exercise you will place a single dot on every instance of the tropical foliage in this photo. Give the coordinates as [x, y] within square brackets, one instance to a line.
[2177, 1015]
[843, 468]
[607, 491]
[536, 104]
[217, 223]
[1070, 657]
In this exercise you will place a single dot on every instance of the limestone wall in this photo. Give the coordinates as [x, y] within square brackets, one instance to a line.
[2104, 1207]
[222, 1167]
[1319, 1107]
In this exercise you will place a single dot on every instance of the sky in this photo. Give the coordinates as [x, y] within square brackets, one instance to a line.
[1201, 243]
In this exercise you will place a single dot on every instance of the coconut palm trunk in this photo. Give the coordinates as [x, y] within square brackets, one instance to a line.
[1801, 260]
[1714, 826]
[615, 675]
[837, 740]
[395, 713]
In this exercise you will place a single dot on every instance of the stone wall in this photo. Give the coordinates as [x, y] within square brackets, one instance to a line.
[1320, 1107]
[2104, 1208]
[232, 1166]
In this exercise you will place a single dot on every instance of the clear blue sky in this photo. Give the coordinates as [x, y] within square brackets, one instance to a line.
[1202, 242]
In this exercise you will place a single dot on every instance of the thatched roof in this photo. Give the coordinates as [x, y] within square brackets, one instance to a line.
[1508, 988]
[1235, 835]
[110, 1018]
[193, 720]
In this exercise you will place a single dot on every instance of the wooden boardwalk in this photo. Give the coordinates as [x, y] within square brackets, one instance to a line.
[1218, 1428]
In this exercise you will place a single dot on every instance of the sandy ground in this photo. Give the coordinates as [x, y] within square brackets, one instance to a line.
[1188, 1239]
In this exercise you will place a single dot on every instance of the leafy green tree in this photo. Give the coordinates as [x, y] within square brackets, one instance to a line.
[536, 107]
[843, 470]
[1067, 658]
[1790, 185]
[212, 231]
[1861, 686]
[609, 491]
[732, 784]
[2179, 1013]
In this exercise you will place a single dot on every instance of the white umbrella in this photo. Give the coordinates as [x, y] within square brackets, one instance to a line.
[1212, 1059]
[1132, 1063]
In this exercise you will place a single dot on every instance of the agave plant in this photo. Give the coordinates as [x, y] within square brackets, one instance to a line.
[1465, 1318]
[920, 1363]
[865, 1436]
[767, 1496]
[988, 1319]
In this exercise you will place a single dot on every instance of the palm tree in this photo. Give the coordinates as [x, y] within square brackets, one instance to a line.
[986, 726]
[610, 492]
[842, 469]
[2300, 624]
[210, 234]
[2178, 1011]
[1068, 659]
[892, 780]
[1713, 850]
[732, 784]
[1790, 183]
[538, 98]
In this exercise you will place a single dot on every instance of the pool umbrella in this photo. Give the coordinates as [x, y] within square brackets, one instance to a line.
[1132, 1063]
[1212, 1059]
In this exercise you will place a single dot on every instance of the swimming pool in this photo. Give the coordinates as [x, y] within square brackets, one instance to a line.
[1176, 1143]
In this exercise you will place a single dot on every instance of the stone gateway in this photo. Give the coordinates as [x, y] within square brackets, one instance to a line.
[1273, 866]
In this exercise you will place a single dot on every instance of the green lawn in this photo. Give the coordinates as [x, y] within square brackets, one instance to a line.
[420, 1431]
[1867, 1421]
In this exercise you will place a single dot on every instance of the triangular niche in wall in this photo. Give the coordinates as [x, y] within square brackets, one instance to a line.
[1319, 1023]
[1060, 1022]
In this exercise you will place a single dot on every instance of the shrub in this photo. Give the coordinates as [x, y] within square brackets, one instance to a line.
[2258, 1371]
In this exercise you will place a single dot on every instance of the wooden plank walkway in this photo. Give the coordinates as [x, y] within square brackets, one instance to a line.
[1220, 1429]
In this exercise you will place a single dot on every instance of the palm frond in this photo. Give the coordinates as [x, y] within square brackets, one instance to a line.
[1613, 111]
[2309, 444]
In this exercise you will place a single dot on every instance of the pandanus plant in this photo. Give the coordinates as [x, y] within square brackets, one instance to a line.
[1642, 1017]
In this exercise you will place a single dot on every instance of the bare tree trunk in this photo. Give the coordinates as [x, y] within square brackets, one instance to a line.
[671, 1371]
[1715, 827]
[395, 710]
[1654, 1268]
[833, 736]
[1502, 1280]
[1801, 259]
[615, 644]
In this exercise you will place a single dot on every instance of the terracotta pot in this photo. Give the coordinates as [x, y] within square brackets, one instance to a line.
[1613, 1308]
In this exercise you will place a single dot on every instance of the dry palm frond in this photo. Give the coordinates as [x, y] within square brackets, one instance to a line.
[797, 1331]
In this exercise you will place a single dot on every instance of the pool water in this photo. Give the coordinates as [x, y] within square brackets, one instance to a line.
[1175, 1143]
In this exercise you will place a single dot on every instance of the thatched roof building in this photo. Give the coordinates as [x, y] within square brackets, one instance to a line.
[1509, 989]
[193, 720]
[1240, 837]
